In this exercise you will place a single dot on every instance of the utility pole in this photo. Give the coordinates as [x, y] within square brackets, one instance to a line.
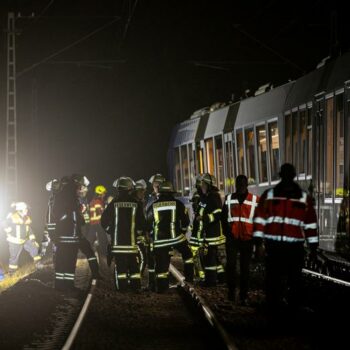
[11, 112]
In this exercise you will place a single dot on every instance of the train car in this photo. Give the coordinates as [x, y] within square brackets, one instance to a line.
[305, 122]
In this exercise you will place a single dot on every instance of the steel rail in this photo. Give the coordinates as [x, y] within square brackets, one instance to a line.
[325, 277]
[71, 338]
[208, 313]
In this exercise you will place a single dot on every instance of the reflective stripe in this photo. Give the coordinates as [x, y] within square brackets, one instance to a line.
[210, 268]
[284, 238]
[37, 258]
[13, 267]
[93, 258]
[313, 239]
[258, 234]
[31, 237]
[166, 207]
[258, 220]
[122, 276]
[310, 226]
[211, 217]
[15, 240]
[189, 261]
[135, 276]
[241, 219]
[151, 270]
[282, 220]
[163, 275]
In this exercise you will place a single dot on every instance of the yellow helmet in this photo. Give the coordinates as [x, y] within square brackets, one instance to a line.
[100, 189]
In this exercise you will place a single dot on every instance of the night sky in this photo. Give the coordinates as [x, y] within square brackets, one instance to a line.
[106, 106]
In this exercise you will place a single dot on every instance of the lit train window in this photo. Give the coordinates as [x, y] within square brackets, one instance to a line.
[295, 139]
[329, 148]
[192, 164]
[209, 149]
[288, 138]
[339, 171]
[177, 170]
[262, 153]
[274, 144]
[303, 142]
[185, 170]
[200, 161]
[309, 141]
[219, 162]
[240, 152]
[229, 166]
[250, 154]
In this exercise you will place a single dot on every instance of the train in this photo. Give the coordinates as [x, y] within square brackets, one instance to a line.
[305, 122]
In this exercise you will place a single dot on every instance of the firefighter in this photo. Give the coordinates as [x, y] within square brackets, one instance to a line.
[169, 221]
[237, 221]
[53, 187]
[124, 221]
[155, 181]
[139, 194]
[20, 235]
[284, 218]
[197, 253]
[207, 232]
[69, 220]
[96, 207]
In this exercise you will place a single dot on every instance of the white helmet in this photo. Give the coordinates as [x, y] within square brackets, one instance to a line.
[19, 206]
[140, 185]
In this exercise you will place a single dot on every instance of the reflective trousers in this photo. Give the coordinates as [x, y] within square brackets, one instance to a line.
[65, 262]
[244, 249]
[127, 271]
[15, 251]
[162, 261]
[86, 249]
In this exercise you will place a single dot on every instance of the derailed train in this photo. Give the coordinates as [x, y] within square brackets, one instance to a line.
[305, 122]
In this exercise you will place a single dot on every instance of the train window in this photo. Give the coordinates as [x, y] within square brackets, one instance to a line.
[192, 165]
[339, 171]
[250, 154]
[288, 138]
[177, 170]
[274, 144]
[262, 153]
[240, 152]
[295, 130]
[219, 162]
[309, 142]
[329, 148]
[229, 166]
[200, 161]
[185, 170]
[303, 142]
[209, 149]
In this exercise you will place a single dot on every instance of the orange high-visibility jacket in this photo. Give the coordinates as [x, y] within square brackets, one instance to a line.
[285, 219]
[239, 217]
[97, 206]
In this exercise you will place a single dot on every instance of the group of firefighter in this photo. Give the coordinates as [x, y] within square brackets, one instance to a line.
[134, 231]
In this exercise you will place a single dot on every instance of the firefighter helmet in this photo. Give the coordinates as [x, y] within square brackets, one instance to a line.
[209, 179]
[156, 178]
[100, 189]
[81, 180]
[124, 183]
[19, 206]
[198, 180]
[140, 185]
[166, 187]
[53, 185]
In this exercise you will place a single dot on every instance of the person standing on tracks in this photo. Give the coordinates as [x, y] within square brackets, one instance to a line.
[209, 235]
[285, 217]
[96, 233]
[67, 214]
[20, 235]
[124, 221]
[168, 220]
[237, 221]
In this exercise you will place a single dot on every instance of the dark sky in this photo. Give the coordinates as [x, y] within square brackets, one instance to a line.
[106, 106]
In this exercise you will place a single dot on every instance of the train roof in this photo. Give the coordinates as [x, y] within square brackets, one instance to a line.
[205, 123]
[264, 106]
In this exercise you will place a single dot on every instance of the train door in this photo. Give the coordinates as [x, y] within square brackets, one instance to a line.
[329, 164]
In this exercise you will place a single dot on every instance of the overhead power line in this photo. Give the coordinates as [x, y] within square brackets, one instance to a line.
[67, 47]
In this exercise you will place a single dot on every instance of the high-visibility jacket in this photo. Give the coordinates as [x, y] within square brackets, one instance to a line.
[18, 228]
[239, 217]
[286, 218]
[168, 221]
[208, 229]
[84, 209]
[50, 224]
[124, 221]
[97, 206]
